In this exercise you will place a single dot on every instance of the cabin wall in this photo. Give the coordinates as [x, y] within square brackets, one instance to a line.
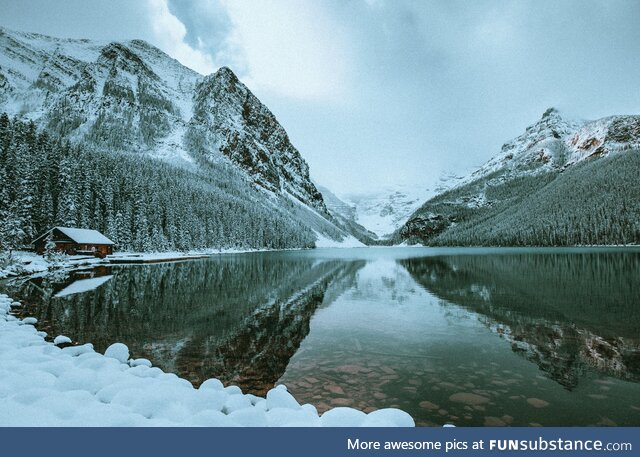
[98, 250]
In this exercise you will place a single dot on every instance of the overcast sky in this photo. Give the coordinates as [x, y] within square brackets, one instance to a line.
[377, 93]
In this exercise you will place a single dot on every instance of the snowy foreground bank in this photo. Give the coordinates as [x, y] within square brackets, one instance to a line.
[44, 385]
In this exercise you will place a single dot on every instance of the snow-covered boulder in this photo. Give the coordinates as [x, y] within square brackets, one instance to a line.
[61, 339]
[343, 417]
[118, 351]
[212, 384]
[390, 417]
[140, 363]
[280, 398]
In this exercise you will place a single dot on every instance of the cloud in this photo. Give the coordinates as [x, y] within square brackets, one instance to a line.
[291, 49]
[398, 90]
[392, 90]
[170, 33]
[209, 29]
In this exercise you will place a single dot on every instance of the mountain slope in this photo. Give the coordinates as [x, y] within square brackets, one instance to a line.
[131, 98]
[560, 183]
[344, 216]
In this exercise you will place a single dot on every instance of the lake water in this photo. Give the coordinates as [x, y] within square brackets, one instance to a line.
[463, 336]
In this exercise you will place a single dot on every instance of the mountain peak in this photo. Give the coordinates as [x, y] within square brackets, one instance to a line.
[553, 116]
[225, 73]
[248, 133]
[552, 123]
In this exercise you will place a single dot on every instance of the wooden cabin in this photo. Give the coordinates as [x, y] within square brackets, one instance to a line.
[75, 241]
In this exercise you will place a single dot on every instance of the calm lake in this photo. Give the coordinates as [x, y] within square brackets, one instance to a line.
[465, 336]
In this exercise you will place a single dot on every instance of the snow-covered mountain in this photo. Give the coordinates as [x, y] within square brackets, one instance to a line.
[229, 119]
[130, 97]
[344, 215]
[554, 143]
[385, 210]
[512, 192]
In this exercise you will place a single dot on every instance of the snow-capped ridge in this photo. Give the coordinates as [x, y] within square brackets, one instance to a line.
[556, 141]
[549, 149]
[85, 90]
[229, 119]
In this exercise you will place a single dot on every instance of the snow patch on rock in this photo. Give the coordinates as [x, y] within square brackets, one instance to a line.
[118, 351]
[61, 339]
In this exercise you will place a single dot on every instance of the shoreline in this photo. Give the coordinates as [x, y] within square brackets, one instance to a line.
[47, 384]
[28, 263]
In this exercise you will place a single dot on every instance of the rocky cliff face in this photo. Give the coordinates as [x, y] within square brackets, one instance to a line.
[229, 119]
[131, 97]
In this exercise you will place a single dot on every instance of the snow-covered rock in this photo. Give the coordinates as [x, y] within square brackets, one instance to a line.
[61, 339]
[548, 149]
[280, 398]
[118, 351]
[212, 384]
[555, 142]
[343, 417]
[392, 417]
[140, 363]
[235, 403]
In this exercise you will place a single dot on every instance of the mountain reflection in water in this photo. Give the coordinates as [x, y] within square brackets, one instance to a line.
[429, 330]
[565, 312]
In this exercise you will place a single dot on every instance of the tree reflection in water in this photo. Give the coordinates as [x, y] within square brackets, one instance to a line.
[567, 313]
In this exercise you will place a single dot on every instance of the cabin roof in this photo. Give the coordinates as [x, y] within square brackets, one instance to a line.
[80, 236]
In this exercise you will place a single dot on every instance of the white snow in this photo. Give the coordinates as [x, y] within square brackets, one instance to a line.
[118, 351]
[44, 385]
[538, 149]
[61, 339]
[83, 236]
[383, 211]
[349, 241]
[22, 263]
[157, 256]
[30, 263]
[140, 362]
[343, 417]
[387, 416]
[280, 398]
